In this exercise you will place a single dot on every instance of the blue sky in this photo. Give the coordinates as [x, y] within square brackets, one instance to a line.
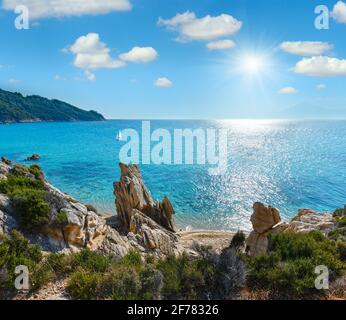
[273, 64]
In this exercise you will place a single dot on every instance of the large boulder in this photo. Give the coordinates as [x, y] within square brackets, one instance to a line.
[114, 244]
[151, 236]
[33, 157]
[131, 193]
[257, 243]
[264, 218]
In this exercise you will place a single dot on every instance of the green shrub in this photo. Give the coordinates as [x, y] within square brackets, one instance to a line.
[342, 222]
[20, 171]
[337, 234]
[36, 171]
[59, 263]
[85, 285]
[230, 275]
[186, 278]
[28, 198]
[292, 246]
[132, 259]
[152, 282]
[16, 251]
[238, 240]
[61, 219]
[341, 245]
[14, 184]
[123, 284]
[90, 261]
[170, 269]
[288, 268]
[339, 212]
[33, 209]
[41, 275]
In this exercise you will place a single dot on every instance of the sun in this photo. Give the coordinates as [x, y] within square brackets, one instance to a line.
[252, 64]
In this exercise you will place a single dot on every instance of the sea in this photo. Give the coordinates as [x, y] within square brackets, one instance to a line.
[288, 164]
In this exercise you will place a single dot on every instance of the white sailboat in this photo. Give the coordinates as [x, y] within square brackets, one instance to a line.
[119, 136]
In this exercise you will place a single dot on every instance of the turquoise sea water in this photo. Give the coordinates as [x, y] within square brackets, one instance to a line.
[288, 164]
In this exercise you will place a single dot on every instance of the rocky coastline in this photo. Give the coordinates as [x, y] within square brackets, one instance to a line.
[141, 224]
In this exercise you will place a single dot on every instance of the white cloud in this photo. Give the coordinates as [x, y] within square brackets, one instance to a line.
[220, 45]
[140, 55]
[339, 12]
[89, 75]
[40, 9]
[207, 28]
[321, 66]
[321, 86]
[305, 48]
[3, 66]
[91, 53]
[163, 82]
[288, 90]
[13, 81]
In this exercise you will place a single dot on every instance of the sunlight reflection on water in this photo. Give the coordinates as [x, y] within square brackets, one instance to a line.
[287, 164]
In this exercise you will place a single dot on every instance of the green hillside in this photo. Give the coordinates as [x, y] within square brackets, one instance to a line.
[14, 107]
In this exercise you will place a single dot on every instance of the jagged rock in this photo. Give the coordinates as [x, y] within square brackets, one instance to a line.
[7, 223]
[149, 223]
[33, 157]
[264, 218]
[114, 244]
[4, 168]
[131, 193]
[56, 198]
[73, 232]
[82, 229]
[307, 220]
[96, 228]
[6, 161]
[150, 235]
[5, 203]
[265, 221]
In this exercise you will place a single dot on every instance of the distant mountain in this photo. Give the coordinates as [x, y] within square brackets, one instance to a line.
[14, 107]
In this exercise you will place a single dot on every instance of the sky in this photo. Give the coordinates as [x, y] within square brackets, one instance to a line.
[179, 59]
